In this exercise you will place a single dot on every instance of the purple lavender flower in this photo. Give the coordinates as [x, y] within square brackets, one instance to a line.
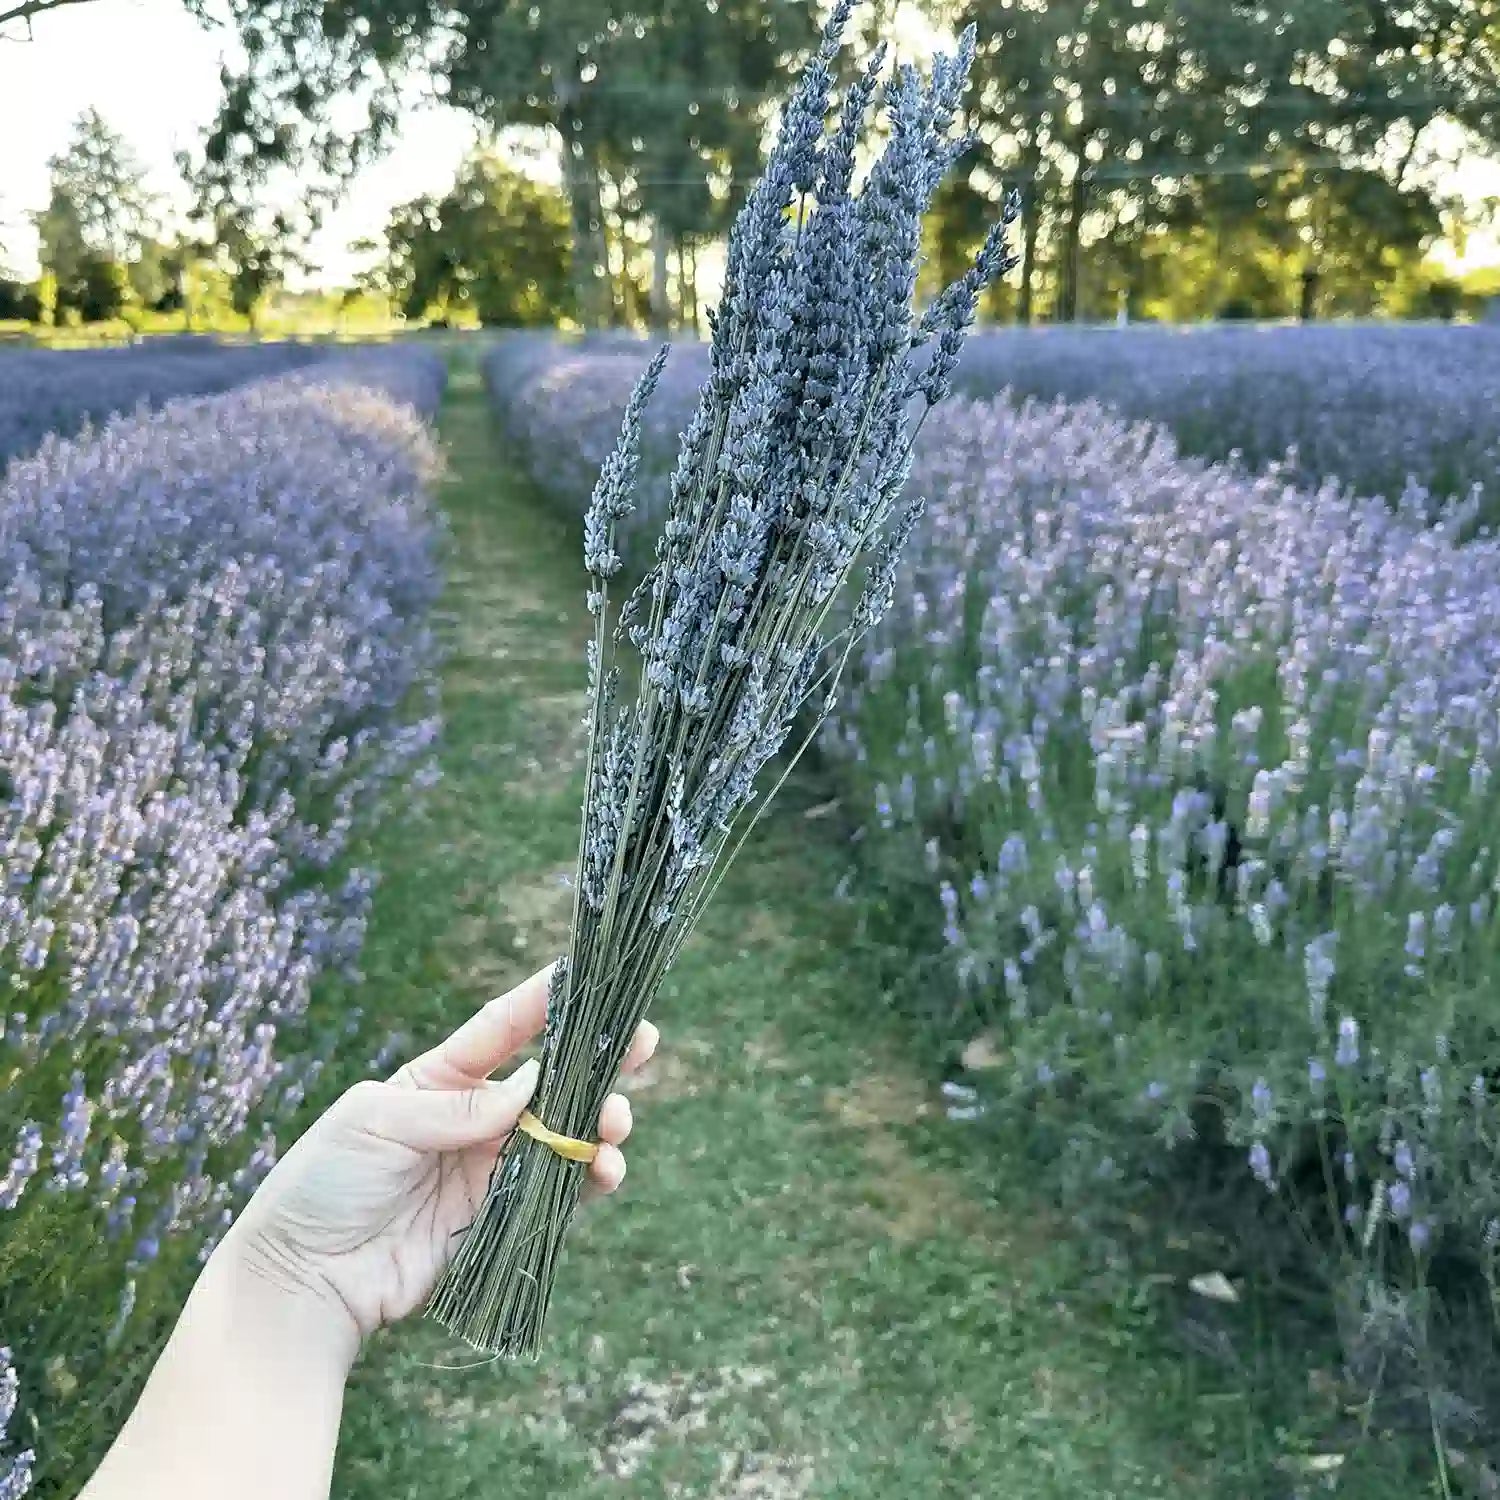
[1260, 1164]
[215, 668]
[15, 1472]
[1261, 1100]
[23, 1165]
[67, 1154]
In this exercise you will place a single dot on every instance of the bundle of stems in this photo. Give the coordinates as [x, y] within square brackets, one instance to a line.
[780, 548]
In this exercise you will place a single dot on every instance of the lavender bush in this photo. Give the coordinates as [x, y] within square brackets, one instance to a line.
[1199, 769]
[54, 391]
[214, 662]
[1382, 408]
[560, 404]
[1191, 776]
[15, 1470]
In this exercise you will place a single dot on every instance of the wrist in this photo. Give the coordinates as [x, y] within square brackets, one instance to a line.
[269, 1304]
[244, 1402]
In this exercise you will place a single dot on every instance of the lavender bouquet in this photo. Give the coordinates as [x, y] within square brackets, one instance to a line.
[779, 551]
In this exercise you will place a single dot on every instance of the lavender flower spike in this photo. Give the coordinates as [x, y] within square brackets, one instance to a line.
[789, 486]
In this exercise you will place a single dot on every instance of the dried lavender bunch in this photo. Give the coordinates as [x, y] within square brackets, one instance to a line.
[783, 531]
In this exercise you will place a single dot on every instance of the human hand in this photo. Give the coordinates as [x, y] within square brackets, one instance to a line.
[361, 1215]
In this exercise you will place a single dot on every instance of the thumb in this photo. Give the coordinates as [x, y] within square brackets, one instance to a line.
[452, 1119]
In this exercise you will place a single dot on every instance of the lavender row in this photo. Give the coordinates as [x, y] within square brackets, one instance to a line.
[1386, 409]
[215, 669]
[46, 391]
[1192, 777]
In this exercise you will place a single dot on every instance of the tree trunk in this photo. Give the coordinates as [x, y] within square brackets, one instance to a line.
[613, 289]
[692, 289]
[1307, 308]
[581, 180]
[661, 301]
[1031, 229]
[1068, 299]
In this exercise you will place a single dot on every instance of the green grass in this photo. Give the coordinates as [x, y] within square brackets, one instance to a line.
[813, 1283]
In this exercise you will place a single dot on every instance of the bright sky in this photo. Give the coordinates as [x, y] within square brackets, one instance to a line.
[153, 73]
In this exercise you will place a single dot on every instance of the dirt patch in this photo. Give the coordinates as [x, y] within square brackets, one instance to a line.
[906, 1200]
[650, 1415]
[542, 912]
[522, 921]
[758, 1476]
[678, 1071]
[870, 1103]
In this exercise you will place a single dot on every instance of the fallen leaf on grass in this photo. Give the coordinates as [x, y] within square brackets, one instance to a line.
[1214, 1285]
[982, 1053]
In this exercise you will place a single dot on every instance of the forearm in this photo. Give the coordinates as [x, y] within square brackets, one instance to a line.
[245, 1399]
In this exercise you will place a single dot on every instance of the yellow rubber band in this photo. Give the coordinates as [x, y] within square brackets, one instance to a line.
[565, 1145]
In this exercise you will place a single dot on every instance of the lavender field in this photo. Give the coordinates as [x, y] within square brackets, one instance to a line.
[1406, 413]
[1387, 409]
[1167, 786]
[52, 391]
[215, 672]
[1181, 778]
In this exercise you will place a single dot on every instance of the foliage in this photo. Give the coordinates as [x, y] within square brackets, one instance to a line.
[94, 227]
[256, 256]
[19, 302]
[1143, 123]
[494, 245]
[213, 666]
[657, 109]
[1197, 769]
[100, 185]
[1178, 158]
[15, 1469]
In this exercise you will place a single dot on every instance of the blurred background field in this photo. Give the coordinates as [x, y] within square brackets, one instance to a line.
[1088, 1083]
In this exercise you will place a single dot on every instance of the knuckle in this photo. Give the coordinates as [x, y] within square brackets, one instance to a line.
[360, 1101]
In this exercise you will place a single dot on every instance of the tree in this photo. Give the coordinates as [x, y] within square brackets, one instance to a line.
[98, 177]
[159, 275]
[18, 14]
[687, 101]
[62, 248]
[617, 85]
[256, 255]
[18, 302]
[495, 244]
[95, 222]
[1127, 120]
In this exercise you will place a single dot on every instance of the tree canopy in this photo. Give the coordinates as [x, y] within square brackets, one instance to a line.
[494, 247]
[1177, 157]
[1134, 122]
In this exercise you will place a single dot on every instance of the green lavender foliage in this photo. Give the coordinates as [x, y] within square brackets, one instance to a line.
[783, 530]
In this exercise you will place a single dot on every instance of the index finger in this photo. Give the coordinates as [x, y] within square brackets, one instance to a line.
[487, 1039]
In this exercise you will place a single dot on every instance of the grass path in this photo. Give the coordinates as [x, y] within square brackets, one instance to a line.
[807, 1288]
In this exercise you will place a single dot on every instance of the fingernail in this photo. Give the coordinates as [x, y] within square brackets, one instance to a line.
[525, 1076]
